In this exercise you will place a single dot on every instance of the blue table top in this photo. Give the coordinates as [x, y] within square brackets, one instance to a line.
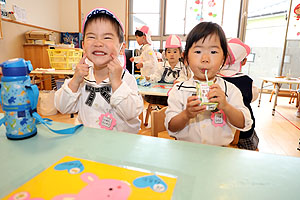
[156, 89]
[203, 171]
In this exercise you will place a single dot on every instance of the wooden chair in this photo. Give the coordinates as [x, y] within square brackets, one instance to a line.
[158, 121]
[149, 110]
[274, 89]
[295, 96]
[38, 80]
[236, 138]
[291, 93]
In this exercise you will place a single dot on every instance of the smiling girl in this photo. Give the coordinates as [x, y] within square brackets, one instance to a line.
[104, 94]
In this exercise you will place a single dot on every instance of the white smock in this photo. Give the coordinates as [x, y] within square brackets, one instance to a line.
[125, 104]
[149, 60]
[200, 129]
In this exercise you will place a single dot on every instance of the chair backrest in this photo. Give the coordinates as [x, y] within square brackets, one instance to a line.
[157, 121]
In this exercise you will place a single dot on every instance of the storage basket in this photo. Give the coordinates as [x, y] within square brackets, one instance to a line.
[64, 58]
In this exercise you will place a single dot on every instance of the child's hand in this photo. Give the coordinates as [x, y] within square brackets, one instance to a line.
[193, 107]
[139, 65]
[81, 70]
[115, 72]
[217, 95]
[131, 59]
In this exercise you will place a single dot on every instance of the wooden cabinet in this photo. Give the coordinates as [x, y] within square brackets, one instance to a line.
[38, 56]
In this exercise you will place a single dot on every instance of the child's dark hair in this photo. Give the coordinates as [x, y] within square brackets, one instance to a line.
[139, 33]
[202, 31]
[105, 17]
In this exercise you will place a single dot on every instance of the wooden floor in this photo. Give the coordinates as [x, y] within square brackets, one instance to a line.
[278, 134]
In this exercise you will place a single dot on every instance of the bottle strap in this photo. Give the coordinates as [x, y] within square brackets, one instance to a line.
[2, 120]
[33, 94]
[47, 122]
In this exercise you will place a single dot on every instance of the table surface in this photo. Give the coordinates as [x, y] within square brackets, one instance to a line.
[156, 89]
[281, 80]
[203, 171]
[52, 72]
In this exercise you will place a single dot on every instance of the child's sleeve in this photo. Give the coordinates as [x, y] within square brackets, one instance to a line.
[149, 59]
[157, 74]
[65, 100]
[126, 100]
[138, 59]
[175, 106]
[236, 100]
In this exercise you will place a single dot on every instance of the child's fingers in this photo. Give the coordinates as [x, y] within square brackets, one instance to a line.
[82, 60]
[192, 98]
[115, 60]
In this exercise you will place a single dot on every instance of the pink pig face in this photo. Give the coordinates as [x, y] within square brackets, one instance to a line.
[109, 189]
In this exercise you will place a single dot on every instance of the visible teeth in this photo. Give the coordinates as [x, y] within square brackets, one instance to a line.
[99, 53]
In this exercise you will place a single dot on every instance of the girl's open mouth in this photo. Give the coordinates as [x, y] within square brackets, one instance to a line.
[99, 53]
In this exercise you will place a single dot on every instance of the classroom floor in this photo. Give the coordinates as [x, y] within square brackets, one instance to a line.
[278, 134]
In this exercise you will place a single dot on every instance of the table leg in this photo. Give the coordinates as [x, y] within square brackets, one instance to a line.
[277, 85]
[261, 89]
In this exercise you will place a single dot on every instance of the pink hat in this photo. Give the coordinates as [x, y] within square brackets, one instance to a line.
[105, 11]
[238, 51]
[173, 41]
[147, 32]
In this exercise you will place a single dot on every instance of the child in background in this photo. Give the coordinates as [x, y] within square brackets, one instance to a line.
[159, 56]
[238, 52]
[104, 95]
[167, 71]
[205, 53]
[147, 61]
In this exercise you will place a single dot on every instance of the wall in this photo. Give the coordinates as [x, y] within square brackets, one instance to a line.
[69, 16]
[42, 13]
[52, 14]
[116, 6]
[12, 44]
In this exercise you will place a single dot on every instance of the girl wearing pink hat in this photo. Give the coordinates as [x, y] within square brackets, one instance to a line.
[102, 92]
[147, 61]
[231, 72]
[167, 71]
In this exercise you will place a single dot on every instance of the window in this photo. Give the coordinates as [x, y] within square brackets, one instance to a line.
[265, 34]
[165, 17]
[145, 12]
[231, 18]
[192, 12]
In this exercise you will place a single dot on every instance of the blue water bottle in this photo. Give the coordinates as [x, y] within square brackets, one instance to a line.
[16, 99]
